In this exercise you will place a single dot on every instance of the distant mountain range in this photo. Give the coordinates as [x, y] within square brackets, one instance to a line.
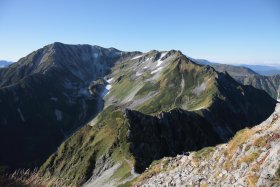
[4, 63]
[266, 70]
[94, 116]
[247, 76]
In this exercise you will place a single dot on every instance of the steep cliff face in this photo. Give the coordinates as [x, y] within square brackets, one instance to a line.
[156, 104]
[166, 134]
[251, 158]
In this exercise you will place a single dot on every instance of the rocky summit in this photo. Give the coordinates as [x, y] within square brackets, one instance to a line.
[90, 116]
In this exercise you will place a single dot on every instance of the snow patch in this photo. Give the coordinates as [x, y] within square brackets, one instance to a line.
[138, 74]
[58, 114]
[162, 55]
[106, 90]
[108, 87]
[159, 62]
[156, 70]
[109, 80]
[136, 57]
[147, 59]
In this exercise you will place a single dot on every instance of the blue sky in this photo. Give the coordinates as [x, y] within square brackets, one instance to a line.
[229, 31]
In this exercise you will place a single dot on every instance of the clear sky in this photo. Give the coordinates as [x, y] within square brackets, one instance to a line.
[229, 31]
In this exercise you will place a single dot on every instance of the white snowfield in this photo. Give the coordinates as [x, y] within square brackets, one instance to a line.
[136, 57]
[149, 65]
[107, 89]
[160, 61]
[110, 80]
[156, 70]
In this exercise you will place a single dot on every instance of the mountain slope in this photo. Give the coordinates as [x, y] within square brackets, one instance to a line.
[46, 94]
[251, 158]
[157, 104]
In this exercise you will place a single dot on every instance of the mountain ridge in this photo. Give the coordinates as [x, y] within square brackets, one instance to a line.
[229, 107]
[100, 105]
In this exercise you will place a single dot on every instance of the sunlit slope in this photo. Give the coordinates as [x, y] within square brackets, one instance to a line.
[156, 104]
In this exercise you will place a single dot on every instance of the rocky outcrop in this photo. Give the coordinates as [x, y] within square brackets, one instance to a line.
[251, 158]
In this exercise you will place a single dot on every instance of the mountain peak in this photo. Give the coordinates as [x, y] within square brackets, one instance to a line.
[173, 105]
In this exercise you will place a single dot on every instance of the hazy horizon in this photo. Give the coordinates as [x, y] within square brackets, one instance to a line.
[232, 32]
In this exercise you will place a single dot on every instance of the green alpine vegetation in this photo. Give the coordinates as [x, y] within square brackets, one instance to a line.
[158, 104]
[113, 113]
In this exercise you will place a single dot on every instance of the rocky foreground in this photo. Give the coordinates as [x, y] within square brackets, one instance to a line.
[251, 158]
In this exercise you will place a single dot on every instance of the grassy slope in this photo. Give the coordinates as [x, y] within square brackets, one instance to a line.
[171, 94]
[107, 140]
[76, 158]
[108, 137]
